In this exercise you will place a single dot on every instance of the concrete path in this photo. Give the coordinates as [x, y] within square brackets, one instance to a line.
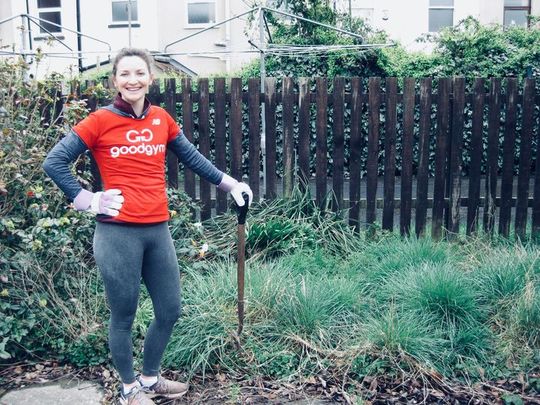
[67, 392]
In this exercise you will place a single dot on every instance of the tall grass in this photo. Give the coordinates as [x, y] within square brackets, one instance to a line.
[386, 303]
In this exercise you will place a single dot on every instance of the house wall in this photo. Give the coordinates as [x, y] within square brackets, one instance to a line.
[219, 50]
[405, 21]
[220, 45]
[96, 21]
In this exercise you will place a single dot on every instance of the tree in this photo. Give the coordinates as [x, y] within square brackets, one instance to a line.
[290, 31]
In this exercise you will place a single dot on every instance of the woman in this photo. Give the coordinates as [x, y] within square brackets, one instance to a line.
[128, 140]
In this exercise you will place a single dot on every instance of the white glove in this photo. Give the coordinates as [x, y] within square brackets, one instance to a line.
[106, 202]
[236, 188]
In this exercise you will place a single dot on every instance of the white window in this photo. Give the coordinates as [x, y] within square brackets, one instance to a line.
[516, 12]
[121, 10]
[201, 12]
[441, 14]
[49, 12]
[364, 13]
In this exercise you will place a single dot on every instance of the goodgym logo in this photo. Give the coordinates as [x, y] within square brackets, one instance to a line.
[138, 144]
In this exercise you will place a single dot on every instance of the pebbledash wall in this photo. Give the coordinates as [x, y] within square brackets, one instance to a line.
[159, 23]
[156, 24]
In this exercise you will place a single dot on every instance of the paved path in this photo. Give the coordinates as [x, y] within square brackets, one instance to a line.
[60, 393]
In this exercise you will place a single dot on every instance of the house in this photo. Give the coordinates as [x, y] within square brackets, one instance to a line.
[96, 29]
[188, 36]
[405, 21]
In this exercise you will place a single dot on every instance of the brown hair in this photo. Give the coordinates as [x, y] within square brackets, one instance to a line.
[141, 53]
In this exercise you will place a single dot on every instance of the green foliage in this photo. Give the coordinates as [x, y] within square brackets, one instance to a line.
[291, 31]
[473, 50]
[284, 225]
[526, 315]
[47, 273]
[467, 49]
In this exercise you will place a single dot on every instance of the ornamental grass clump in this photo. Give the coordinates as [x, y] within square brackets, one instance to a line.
[378, 262]
[285, 225]
[395, 334]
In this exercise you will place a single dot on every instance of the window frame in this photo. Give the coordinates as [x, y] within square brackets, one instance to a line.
[452, 8]
[56, 9]
[517, 8]
[126, 21]
[200, 25]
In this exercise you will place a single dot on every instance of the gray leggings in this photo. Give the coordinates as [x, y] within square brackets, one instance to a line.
[124, 254]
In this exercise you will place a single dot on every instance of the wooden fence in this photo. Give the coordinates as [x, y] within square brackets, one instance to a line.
[420, 122]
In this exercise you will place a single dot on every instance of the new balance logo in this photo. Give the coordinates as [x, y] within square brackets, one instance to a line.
[156, 121]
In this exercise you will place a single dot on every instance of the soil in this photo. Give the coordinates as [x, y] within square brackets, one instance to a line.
[219, 388]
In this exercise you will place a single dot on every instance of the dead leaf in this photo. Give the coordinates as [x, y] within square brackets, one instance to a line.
[373, 386]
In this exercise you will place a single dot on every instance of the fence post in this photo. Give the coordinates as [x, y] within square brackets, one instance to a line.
[187, 126]
[390, 153]
[204, 144]
[270, 100]
[374, 105]
[304, 133]
[220, 139]
[492, 154]
[322, 149]
[508, 156]
[455, 163]
[356, 145]
[443, 115]
[407, 155]
[170, 106]
[254, 86]
[525, 145]
[423, 164]
[476, 150]
[288, 135]
[338, 117]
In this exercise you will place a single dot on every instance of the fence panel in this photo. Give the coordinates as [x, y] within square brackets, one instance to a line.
[476, 150]
[236, 128]
[321, 133]
[270, 102]
[220, 141]
[288, 135]
[170, 106]
[204, 143]
[455, 163]
[338, 117]
[443, 119]
[254, 94]
[423, 160]
[187, 127]
[353, 139]
[374, 105]
[508, 157]
[390, 153]
[525, 157]
[494, 125]
[304, 133]
[356, 145]
[409, 105]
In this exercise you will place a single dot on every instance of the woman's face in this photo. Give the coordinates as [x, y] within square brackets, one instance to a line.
[132, 79]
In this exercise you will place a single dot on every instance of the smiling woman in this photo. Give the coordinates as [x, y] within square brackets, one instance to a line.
[132, 241]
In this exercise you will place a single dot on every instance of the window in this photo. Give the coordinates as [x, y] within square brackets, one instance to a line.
[201, 12]
[121, 9]
[365, 14]
[516, 12]
[49, 10]
[441, 14]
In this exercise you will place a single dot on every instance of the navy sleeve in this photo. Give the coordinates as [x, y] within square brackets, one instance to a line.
[192, 158]
[57, 164]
